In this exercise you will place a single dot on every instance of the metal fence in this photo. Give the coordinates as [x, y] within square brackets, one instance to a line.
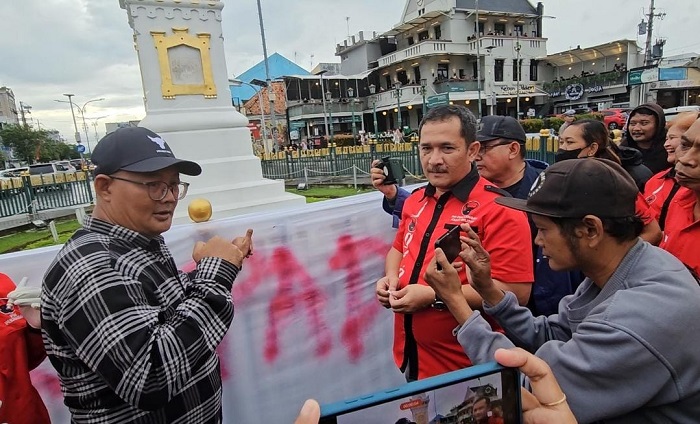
[349, 161]
[30, 194]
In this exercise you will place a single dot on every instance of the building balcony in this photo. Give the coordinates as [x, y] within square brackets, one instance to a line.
[315, 107]
[602, 80]
[502, 46]
[423, 48]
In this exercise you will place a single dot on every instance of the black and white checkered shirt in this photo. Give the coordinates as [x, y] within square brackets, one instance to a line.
[132, 338]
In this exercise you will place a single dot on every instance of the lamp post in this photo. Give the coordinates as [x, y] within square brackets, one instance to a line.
[372, 90]
[323, 100]
[77, 133]
[329, 100]
[423, 84]
[397, 86]
[258, 91]
[352, 110]
[518, 71]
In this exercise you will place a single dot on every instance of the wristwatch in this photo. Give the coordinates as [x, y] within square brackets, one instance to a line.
[438, 304]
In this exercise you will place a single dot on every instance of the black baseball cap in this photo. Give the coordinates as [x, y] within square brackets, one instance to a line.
[579, 187]
[137, 149]
[492, 127]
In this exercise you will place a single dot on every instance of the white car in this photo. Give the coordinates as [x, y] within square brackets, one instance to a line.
[672, 112]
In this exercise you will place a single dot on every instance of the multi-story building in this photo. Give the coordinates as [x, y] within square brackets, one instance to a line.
[8, 107]
[592, 78]
[675, 82]
[441, 51]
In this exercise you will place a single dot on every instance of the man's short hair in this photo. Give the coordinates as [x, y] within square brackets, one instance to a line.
[442, 113]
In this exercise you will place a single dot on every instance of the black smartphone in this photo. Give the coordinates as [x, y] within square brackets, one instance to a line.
[456, 397]
[450, 243]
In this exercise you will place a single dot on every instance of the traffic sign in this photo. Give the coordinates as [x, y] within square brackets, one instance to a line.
[438, 100]
[80, 148]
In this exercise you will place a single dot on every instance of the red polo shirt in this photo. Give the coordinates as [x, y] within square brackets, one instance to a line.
[505, 234]
[682, 232]
[22, 350]
[657, 190]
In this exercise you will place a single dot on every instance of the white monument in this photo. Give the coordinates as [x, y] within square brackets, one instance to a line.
[180, 49]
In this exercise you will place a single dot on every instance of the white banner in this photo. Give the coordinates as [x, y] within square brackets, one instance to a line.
[306, 323]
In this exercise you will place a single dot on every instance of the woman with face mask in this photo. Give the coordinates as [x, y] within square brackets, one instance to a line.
[590, 138]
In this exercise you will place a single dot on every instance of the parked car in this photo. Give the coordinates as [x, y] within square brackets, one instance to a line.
[13, 172]
[614, 118]
[672, 112]
[67, 165]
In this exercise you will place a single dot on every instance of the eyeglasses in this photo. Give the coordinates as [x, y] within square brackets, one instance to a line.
[158, 190]
[485, 149]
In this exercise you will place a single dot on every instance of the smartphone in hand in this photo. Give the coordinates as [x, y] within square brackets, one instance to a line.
[450, 243]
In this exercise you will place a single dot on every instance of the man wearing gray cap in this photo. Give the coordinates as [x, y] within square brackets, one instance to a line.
[569, 117]
[624, 346]
[132, 338]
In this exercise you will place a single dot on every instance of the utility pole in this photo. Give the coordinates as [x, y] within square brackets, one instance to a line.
[518, 71]
[648, 56]
[270, 91]
[478, 59]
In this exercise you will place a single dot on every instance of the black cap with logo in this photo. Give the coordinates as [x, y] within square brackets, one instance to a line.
[579, 187]
[492, 127]
[137, 149]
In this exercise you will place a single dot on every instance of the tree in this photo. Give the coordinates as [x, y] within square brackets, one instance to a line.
[25, 141]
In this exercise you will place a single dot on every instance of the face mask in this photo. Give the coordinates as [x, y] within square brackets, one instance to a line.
[566, 154]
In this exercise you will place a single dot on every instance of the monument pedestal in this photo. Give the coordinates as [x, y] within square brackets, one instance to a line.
[188, 102]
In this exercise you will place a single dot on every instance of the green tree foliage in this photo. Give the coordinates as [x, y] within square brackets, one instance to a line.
[31, 145]
[25, 141]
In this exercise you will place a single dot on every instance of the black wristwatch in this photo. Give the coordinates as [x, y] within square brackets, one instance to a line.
[438, 304]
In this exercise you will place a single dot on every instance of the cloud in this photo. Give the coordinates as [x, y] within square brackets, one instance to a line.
[85, 47]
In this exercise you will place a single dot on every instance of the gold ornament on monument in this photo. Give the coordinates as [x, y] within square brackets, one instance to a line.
[199, 210]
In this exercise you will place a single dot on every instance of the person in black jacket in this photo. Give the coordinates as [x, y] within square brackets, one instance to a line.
[646, 132]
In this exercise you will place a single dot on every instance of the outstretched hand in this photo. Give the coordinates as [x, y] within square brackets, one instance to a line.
[477, 260]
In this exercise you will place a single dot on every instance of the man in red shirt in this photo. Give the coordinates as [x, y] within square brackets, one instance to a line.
[682, 231]
[22, 351]
[423, 341]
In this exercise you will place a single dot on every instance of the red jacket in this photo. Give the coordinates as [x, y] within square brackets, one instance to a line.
[22, 350]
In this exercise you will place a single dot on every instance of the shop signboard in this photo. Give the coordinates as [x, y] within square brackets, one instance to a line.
[670, 74]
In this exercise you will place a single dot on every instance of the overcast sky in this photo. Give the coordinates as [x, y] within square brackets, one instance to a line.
[85, 47]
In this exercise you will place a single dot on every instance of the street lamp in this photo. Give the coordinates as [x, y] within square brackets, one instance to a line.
[423, 84]
[329, 100]
[82, 115]
[258, 90]
[397, 86]
[323, 100]
[77, 133]
[352, 109]
[372, 90]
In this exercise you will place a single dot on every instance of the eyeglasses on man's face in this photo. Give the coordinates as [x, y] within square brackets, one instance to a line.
[485, 149]
[158, 190]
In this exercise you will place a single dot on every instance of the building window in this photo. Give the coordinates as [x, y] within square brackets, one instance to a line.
[498, 69]
[443, 71]
[438, 32]
[481, 28]
[517, 70]
[388, 81]
[402, 77]
[416, 75]
[533, 69]
[500, 28]
[475, 71]
[423, 35]
[518, 29]
[410, 41]
[462, 75]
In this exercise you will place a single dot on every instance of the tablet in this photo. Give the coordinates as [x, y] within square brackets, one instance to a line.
[487, 393]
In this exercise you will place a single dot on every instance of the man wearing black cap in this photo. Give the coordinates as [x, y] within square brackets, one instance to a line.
[132, 338]
[623, 347]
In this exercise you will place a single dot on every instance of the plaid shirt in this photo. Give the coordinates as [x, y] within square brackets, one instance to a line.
[132, 338]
